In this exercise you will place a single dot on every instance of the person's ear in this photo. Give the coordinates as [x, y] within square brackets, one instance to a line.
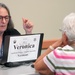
[65, 39]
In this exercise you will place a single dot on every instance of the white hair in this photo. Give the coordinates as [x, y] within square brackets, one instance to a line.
[69, 26]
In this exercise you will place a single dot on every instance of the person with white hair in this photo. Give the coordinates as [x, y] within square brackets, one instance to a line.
[59, 58]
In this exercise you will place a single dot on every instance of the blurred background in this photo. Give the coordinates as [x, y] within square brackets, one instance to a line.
[46, 15]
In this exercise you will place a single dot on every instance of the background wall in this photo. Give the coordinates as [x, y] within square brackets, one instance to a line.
[46, 15]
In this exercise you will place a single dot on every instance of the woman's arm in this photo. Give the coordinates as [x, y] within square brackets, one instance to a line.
[39, 64]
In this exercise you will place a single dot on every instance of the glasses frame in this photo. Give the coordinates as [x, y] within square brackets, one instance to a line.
[5, 17]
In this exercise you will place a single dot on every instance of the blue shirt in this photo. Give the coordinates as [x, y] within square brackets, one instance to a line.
[1, 52]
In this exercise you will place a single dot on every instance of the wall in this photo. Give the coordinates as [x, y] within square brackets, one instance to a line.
[47, 15]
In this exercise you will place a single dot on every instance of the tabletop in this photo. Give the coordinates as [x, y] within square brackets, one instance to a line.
[20, 70]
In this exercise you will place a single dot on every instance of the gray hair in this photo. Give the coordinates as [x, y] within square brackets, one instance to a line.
[69, 26]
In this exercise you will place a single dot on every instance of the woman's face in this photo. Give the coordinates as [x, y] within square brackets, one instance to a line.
[4, 19]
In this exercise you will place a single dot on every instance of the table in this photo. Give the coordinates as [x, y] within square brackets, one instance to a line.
[20, 70]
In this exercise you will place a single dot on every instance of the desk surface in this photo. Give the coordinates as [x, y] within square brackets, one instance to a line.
[20, 70]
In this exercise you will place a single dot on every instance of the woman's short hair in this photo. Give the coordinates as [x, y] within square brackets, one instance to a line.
[69, 26]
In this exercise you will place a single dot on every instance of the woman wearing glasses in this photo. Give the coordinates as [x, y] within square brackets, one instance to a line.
[7, 26]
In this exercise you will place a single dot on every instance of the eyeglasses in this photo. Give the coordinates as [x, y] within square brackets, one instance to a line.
[5, 17]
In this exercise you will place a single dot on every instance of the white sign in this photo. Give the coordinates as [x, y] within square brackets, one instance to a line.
[23, 48]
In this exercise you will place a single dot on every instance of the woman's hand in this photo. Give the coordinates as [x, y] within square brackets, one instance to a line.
[58, 43]
[61, 42]
[27, 25]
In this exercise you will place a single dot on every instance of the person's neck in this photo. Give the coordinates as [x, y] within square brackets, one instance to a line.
[1, 34]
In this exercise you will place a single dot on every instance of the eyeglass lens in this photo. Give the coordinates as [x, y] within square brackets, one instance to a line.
[5, 17]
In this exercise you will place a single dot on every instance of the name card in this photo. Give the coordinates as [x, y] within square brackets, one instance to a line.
[22, 48]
